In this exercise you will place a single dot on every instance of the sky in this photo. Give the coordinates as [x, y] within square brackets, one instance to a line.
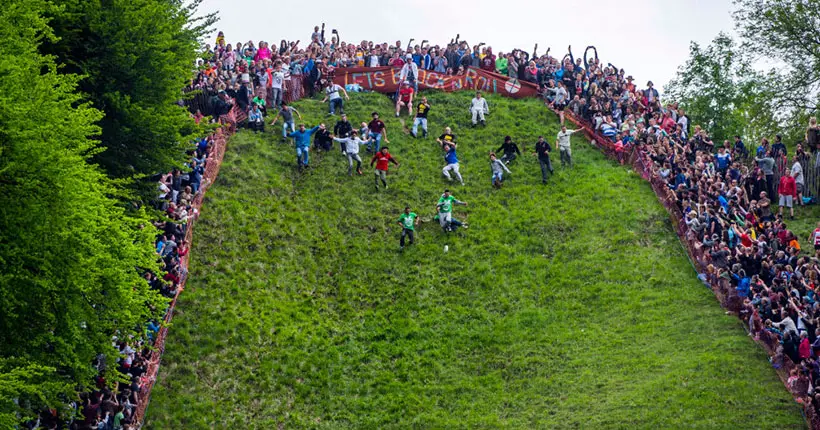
[649, 39]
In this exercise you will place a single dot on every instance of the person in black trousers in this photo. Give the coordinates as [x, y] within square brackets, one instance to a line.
[542, 151]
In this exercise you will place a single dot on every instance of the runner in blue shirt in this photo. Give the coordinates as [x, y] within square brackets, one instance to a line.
[301, 139]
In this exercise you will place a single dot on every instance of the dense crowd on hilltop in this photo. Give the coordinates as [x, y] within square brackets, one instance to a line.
[728, 203]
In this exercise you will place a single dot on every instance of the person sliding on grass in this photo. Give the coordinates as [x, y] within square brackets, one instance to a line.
[451, 159]
[382, 160]
[421, 118]
[564, 146]
[498, 169]
[478, 108]
[444, 207]
[350, 148]
[510, 150]
[405, 98]
[542, 151]
[446, 137]
[301, 139]
[407, 221]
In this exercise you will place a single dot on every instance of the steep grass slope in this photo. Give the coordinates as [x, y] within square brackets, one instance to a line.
[567, 305]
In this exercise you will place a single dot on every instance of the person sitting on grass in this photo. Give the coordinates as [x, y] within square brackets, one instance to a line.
[382, 160]
[405, 98]
[350, 148]
[444, 209]
[301, 139]
[407, 221]
[255, 121]
[510, 150]
[498, 169]
[286, 112]
[479, 108]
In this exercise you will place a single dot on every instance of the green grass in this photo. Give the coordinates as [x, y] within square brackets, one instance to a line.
[570, 305]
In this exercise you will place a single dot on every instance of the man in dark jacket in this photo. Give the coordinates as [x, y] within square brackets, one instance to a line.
[542, 151]
[510, 150]
[322, 139]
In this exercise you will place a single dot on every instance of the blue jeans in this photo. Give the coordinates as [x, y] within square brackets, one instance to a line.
[378, 138]
[416, 122]
[334, 104]
[497, 176]
[285, 128]
[302, 153]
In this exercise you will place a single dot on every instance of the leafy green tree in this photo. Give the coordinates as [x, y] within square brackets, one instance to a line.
[721, 91]
[69, 252]
[786, 32]
[135, 56]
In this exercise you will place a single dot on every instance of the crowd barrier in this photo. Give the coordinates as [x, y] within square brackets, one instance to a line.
[721, 287]
[229, 123]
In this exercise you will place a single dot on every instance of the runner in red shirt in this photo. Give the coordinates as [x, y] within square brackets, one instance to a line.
[382, 160]
[406, 94]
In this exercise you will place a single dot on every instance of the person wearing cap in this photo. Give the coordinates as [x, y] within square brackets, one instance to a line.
[405, 98]
[410, 72]
[479, 108]
[377, 130]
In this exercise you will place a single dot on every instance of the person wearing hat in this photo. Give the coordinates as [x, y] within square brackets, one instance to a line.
[405, 98]
[410, 72]
[377, 130]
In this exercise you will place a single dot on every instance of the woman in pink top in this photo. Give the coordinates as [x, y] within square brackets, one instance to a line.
[263, 53]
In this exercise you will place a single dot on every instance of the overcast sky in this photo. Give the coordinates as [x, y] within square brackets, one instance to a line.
[647, 38]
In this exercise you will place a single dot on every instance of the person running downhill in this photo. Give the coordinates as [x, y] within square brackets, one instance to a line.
[407, 221]
[542, 151]
[444, 207]
[382, 160]
[301, 139]
[451, 159]
[498, 169]
[564, 145]
[350, 148]
[377, 131]
[286, 112]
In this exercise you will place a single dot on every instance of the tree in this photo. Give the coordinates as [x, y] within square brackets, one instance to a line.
[135, 56]
[69, 252]
[786, 32]
[721, 91]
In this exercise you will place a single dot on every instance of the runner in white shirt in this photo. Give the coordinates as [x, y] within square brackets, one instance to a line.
[564, 145]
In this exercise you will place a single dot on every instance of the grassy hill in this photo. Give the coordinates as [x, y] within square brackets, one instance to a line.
[566, 305]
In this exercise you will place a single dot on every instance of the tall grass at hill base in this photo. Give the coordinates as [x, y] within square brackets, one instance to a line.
[570, 305]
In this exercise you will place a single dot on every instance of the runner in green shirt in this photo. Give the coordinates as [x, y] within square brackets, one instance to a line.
[445, 211]
[407, 221]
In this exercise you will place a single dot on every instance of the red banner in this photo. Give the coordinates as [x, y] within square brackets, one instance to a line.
[386, 80]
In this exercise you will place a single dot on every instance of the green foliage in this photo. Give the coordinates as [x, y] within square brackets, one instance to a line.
[68, 252]
[570, 305]
[135, 56]
[721, 91]
[786, 32]
[25, 388]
